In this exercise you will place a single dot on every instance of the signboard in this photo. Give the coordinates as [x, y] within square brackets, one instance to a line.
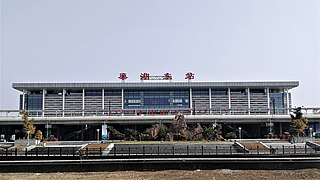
[146, 76]
[104, 132]
[123, 76]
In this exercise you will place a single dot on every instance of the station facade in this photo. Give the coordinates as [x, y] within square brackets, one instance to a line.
[84, 99]
[137, 99]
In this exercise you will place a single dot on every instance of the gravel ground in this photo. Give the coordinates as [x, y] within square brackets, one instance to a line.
[223, 174]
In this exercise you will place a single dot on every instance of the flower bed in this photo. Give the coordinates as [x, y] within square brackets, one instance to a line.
[253, 145]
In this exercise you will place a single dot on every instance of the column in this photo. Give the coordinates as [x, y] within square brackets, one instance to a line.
[268, 100]
[43, 101]
[210, 104]
[287, 95]
[23, 99]
[63, 101]
[280, 129]
[122, 100]
[191, 106]
[248, 92]
[102, 101]
[229, 98]
[83, 94]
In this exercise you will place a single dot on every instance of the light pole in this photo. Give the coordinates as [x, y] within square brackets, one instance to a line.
[240, 134]
[310, 131]
[98, 134]
[28, 134]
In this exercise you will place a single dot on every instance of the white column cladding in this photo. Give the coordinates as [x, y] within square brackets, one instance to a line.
[102, 101]
[268, 99]
[287, 95]
[248, 92]
[63, 101]
[23, 100]
[191, 106]
[83, 94]
[122, 100]
[229, 98]
[43, 101]
[210, 104]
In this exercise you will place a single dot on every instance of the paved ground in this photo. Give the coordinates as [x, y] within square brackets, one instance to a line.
[223, 174]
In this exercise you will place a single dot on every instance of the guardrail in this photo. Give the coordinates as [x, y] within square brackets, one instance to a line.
[155, 151]
[153, 112]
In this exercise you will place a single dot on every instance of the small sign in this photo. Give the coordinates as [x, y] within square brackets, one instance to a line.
[104, 133]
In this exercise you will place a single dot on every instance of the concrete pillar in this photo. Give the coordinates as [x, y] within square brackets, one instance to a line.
[191, 105]
[63, 101]
[268, 99]
[287, 97]
[229, 98]
[122, 100]
[82, 132]
[43, 101]
[210, 103]
[103, 101]
[83, 94]
[248, 93]
[23, 99]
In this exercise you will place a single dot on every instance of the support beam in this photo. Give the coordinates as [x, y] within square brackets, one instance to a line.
[210, 103]
[122, 100]
[103, 101]
[268, 99]
[83, 94]
[287, 98]
[43, 101]
[23, 100]
[63, 101]
[191, 106]
[229, 98]
[248, 92]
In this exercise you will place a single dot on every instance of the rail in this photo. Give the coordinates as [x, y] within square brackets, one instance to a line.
[156, 151]
[153, 112]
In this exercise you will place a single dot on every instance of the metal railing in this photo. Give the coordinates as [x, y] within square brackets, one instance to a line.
[154, 112]
[132, 151]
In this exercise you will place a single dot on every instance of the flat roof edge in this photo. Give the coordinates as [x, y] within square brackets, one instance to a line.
[150, 85]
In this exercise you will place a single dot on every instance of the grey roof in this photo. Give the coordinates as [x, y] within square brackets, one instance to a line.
[156, 85]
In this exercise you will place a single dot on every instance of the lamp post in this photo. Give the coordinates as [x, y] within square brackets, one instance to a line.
[240, 134]
[98, 134]
[28, 134]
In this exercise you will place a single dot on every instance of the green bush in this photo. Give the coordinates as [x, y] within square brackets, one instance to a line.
[231, 135]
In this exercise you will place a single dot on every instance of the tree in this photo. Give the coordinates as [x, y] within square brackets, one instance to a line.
[131, 134]
[28, 124]
[299, 123]
[163, 131]
[115, 134]
[231, 135]
[213, 132]
[38, 135]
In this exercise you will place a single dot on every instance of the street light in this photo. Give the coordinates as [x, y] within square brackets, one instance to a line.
[28, 133]
[240, 134]
[98, 134]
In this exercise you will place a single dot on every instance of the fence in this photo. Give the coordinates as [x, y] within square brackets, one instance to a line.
[131, 151]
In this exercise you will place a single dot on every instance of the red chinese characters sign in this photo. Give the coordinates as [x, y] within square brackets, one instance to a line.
[123, 76]
[146, 76]
[189, 76]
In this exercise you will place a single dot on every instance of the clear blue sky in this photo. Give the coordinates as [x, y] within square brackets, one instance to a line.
[218, 40]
